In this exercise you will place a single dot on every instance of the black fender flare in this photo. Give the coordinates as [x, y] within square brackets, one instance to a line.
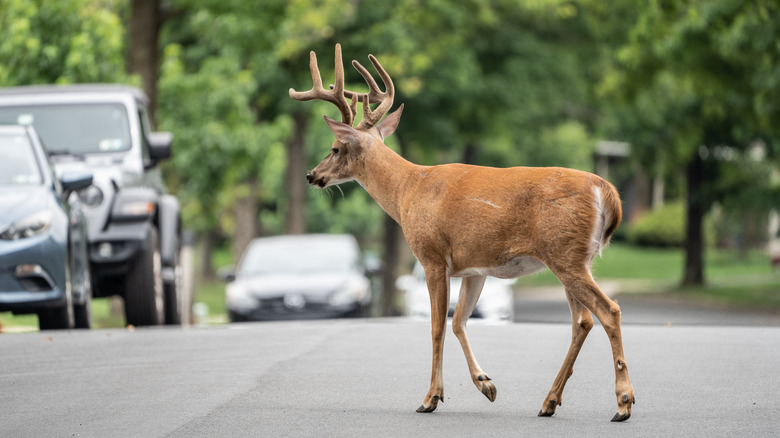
[169, 224]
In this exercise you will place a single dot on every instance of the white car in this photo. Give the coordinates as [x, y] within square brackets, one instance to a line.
[496, 302]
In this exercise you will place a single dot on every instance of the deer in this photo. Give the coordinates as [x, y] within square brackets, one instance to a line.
[470, 221]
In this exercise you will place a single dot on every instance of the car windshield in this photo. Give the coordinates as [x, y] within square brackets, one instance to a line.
[298, 256]
[18, 165]
[74, 128]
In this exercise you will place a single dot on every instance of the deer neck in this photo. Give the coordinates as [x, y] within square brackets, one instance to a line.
[387, 177]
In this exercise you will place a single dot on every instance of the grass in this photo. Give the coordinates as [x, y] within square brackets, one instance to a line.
[212, 294]
[731, 280]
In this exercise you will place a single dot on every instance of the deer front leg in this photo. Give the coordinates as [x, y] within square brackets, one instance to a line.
[469, 295]
[582, 322]
[439, 290]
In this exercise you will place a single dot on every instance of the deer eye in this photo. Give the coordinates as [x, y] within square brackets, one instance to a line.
[335, 151]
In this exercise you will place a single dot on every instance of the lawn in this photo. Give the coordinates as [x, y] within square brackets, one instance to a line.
[730, 280]
[748, 282]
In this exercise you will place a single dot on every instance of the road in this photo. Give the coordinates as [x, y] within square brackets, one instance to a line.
[357, 378]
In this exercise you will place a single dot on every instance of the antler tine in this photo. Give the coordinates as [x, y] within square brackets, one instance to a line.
[335, 96]
[371, 118]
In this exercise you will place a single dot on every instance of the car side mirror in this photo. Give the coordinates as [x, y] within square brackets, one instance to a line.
[159, 145]
[226, 273]
[72, 181]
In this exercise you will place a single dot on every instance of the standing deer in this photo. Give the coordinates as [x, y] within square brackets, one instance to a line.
[472, 221]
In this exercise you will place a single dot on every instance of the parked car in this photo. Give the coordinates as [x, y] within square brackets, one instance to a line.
[44, 267]
[133, 225]
[298, 277]
[496, 302]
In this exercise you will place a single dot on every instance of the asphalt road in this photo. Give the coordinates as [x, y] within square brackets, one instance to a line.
[358, 378]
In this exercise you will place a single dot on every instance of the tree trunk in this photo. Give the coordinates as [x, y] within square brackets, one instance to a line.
[693, 274]
[391, 259]
[205, 250]
[143, 54]
[246, 217]
[295, 221]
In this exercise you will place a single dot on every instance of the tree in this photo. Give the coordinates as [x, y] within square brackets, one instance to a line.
[144, 24]
[67, 41]
[696, 76]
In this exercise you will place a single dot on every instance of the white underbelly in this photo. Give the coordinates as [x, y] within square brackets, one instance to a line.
[517, 267]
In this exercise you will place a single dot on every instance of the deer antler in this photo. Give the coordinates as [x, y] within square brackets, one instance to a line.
[371, 118]
[337, 94]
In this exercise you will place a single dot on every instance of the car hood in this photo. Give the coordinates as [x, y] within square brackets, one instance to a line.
[309, 285]
[19, 202]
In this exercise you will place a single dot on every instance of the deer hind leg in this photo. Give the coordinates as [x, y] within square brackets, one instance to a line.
[469, 294]
[439, 290]
[582, 322]
[580, 284]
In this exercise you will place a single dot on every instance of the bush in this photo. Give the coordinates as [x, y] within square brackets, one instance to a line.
[662, 227]
[665, 227]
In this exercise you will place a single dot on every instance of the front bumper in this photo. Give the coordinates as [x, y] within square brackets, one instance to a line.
[32, 274]
[291, 307]
[119, 243]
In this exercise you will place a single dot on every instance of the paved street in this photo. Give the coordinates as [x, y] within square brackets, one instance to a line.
[351, 378]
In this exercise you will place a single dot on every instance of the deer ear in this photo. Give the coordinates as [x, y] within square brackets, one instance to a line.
[387, 126]
[343, 132]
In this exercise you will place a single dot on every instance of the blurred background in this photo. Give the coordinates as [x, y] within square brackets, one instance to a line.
[674, 102]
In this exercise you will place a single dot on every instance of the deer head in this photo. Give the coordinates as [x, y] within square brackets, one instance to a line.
[349, 149]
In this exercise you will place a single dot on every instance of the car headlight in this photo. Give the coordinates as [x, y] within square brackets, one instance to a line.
[92, 196]
[350, 293]
[132, 210]
[238, 297]
[29, 226]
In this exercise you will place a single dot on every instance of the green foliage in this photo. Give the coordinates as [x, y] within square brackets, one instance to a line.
[700, 72]
[663, 227]
[66, 41]
[219, 143]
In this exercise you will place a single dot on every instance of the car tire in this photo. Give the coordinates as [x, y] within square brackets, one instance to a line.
[60, 318]
[172, 292]
[83, 312]
[144, 296]
[237, 317]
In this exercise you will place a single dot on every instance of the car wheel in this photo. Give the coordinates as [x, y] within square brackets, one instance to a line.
[144, 295]
[357, 312]
[237, 317]
[83, 312]
[62, 317]
[172, 291]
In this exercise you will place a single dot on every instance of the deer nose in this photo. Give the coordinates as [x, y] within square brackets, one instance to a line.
[309, 177]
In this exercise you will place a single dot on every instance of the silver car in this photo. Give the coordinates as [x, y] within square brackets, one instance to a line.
[298, 277]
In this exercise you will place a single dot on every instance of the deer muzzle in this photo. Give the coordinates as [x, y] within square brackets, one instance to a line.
[313, 180]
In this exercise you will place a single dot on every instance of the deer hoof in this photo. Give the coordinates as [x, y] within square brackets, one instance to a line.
[489, 389]
[621, 417]
[432, 407]
[548, 408]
